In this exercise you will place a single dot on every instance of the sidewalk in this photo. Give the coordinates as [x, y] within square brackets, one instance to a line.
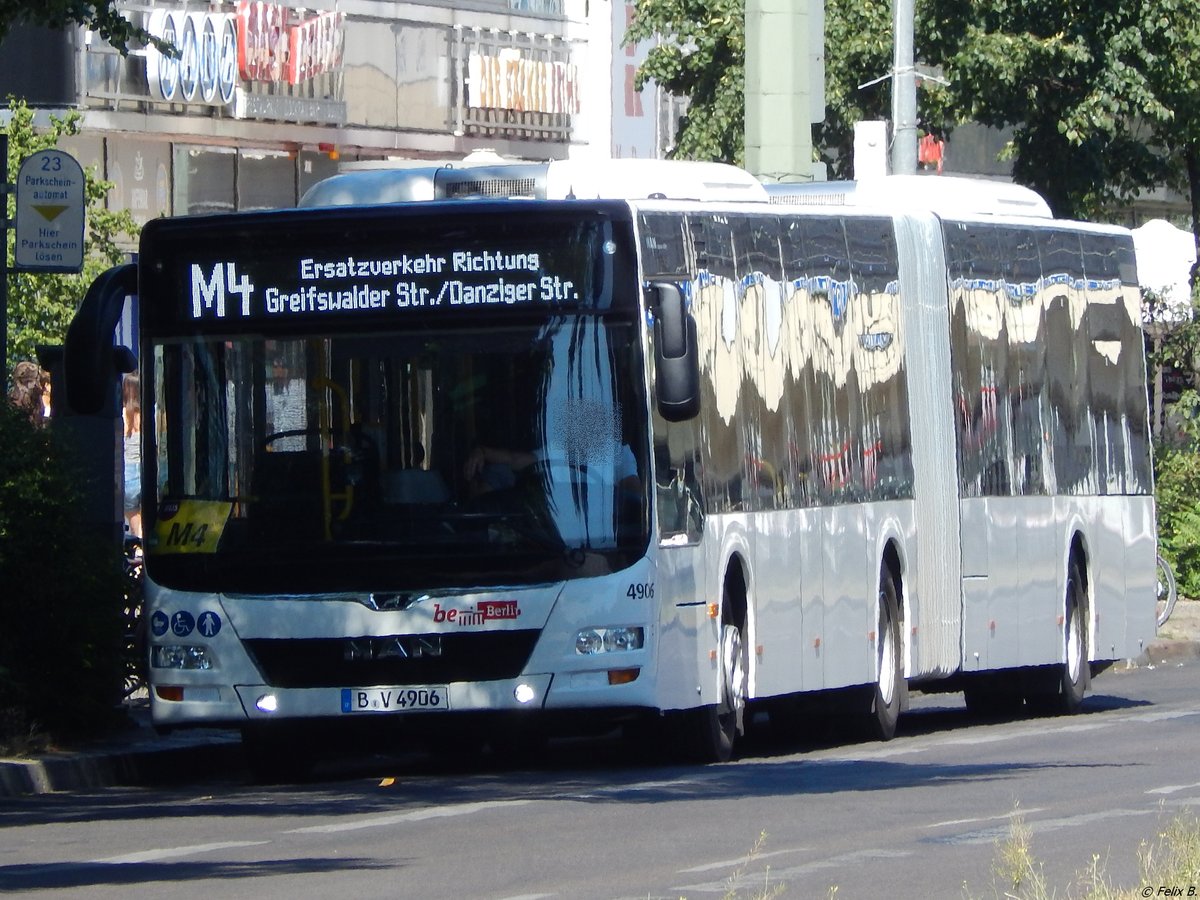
[1179, 638]
[135, 756]
[140, 756]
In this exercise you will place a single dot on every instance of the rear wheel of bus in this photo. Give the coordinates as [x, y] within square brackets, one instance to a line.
[889, 661]
[1065, 696]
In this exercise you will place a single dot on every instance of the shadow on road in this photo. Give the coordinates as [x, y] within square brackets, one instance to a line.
[769, 765]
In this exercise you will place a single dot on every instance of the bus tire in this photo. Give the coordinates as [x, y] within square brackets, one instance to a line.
[890, 685]
[1066, 698]
[712, 730]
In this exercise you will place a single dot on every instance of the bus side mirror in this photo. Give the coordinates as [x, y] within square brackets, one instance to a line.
[90, 361]
[676, 359]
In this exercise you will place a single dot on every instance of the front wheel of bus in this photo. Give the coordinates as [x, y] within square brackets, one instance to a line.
[889, 663]
[715, 728]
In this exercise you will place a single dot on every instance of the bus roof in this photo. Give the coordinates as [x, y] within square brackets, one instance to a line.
[625, 179]
[945, 194]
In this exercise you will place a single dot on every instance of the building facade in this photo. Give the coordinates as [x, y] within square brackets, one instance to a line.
[266, 97]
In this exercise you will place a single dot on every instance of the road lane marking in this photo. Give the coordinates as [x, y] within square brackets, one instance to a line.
[1183, 802]
[1173, 788]
[741, 861]
[673, 784]
[1164, 714]
[654, 785]
[754, 881]
[992, 835]
[1007, 815]
[1023, 729]
[145, 856]
[416, 815]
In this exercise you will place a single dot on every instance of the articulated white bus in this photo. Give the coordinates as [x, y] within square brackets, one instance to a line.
[516, 464]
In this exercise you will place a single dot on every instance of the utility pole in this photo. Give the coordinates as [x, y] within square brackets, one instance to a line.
[904, 90]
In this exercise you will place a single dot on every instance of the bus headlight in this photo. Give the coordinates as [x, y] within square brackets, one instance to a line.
[609, 640]
[524, 693]
[181, 656]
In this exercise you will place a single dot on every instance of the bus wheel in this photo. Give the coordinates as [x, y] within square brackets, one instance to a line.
[889, 666]
[1067, 696]
[715, 728]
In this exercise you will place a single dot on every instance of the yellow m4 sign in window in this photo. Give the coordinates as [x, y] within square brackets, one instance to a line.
[190, 526]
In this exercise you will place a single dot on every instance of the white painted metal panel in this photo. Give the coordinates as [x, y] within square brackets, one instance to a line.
[781, 580]
[1041, 590]
[1107, 583]
[976, 640]
[681, 593]
[851, 584]
[1005, 588]
[1140, 574]
[977, 586]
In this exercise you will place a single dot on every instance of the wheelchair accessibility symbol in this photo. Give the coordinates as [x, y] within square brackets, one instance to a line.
[182, 623]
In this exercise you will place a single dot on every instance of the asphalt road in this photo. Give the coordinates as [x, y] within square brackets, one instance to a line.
[922, 816]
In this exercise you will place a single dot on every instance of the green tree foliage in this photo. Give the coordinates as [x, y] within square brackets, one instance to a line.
[1177, 463]
[40, 305]
[61, 663]
[1172, 40]
[700, 55]
[1103, 98]
[858, 50]
[1073, 82]
[101, 16]
[1176, 487]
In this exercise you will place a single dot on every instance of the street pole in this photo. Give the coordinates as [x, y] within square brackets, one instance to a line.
[904, 90]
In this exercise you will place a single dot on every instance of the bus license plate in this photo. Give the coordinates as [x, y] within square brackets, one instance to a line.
[394, 699]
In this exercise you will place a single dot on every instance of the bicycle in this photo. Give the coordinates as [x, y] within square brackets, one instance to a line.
[133, 644]
[1166, 592]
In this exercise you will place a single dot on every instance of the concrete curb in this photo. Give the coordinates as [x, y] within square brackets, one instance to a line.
[1162, 652]
[130, 767]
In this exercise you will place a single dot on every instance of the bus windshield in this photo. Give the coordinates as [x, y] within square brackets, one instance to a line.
[382, 461]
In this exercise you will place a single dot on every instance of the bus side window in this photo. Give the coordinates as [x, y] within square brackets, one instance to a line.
[680, 508]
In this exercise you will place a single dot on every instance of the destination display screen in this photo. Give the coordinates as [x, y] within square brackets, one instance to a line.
[346, 268]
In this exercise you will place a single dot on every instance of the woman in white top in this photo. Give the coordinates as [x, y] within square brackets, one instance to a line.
[131, 406]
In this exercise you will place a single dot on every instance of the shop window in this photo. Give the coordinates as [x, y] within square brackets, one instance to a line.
[204, 180]
[266, 179]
